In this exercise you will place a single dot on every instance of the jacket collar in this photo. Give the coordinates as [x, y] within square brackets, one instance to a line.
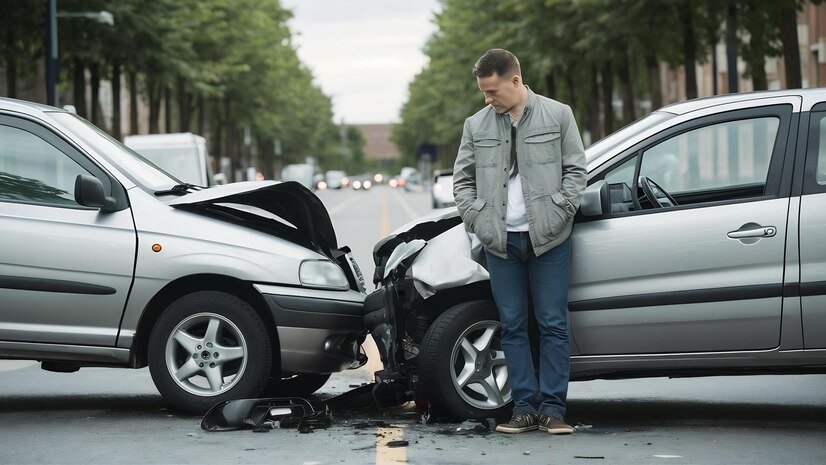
[529, 103]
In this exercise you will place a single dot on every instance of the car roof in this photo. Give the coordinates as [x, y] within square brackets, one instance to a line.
[681, 108]
[183, 138]
[24, 106]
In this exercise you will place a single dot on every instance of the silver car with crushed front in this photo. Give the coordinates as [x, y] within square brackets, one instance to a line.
[106, 260]
[697, 251]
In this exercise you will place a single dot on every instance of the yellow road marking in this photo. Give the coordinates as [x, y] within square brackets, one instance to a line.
[388, 455]
[385, 217]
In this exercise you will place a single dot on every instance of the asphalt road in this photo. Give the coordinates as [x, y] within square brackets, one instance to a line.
[101, 416]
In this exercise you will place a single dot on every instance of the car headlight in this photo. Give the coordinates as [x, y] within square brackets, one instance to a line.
[318, 273]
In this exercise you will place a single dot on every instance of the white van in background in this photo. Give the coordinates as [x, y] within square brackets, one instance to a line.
[299, 172]
[183, 155]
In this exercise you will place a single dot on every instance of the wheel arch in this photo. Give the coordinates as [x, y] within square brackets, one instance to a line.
[194, 283]
[448, 298]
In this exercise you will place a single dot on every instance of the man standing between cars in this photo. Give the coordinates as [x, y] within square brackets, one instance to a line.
[518, 177]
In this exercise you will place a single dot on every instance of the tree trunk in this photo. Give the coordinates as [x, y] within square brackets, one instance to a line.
[626, 86]
[116, 110]
[202, 112]
[216, 129]
[758, 69]
[731, 48]
[550, 84]
[230, 140]
[79, 87]
[569, 84]
[167, 109]
[593, 106]
[184, 105]
[689, 48]
[654, 84]
[94, 77]
[11, 65]
[791, 52]
[608, 97]
[154, 91]
[133, 102]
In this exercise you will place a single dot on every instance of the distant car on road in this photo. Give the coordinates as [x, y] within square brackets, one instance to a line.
[227, 292]
[364, 183]
[183, 155]
[442, 189]
[334, 179]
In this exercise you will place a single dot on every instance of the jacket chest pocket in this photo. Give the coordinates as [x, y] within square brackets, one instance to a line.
[487, 145]
[542, 144]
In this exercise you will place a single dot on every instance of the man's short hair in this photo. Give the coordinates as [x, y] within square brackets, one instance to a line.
[499, 61]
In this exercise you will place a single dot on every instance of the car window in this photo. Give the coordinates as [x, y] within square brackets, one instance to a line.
[137, 168]
[34, 171]
[719, 156]
[820, 173]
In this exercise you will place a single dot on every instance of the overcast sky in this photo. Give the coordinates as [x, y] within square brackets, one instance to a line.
[363, 53]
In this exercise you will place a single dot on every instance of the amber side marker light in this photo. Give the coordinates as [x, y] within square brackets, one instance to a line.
[156, 247]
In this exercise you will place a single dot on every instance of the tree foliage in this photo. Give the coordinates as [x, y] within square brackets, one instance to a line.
[225, 64]
[590, 54]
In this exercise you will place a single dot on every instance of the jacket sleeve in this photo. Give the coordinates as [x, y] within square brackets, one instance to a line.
[464, 173]
[573, 160]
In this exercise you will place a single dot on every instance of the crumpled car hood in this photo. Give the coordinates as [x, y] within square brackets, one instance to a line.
[452, 257]
[284, 209]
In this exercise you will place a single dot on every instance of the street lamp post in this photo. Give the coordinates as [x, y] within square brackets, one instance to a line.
[52, 95]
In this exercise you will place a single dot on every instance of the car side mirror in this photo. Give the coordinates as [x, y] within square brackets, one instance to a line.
[89, 193]
[596, 199]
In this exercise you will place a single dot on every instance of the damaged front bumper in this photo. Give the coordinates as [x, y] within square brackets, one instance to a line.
[319, 331]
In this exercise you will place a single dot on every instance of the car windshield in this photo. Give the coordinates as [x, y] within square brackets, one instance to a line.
[183, 162]
[605, 144]
[134, 166]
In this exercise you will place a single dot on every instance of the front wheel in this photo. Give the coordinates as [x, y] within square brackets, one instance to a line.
[462, 366]
[208, 347]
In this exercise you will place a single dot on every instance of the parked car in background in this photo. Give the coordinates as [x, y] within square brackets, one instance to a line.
[319, 181]
[183, 155]
[227, 292]
[335, 179]
[414, 182]
[442, 189]
[698, 250]
[302, 173]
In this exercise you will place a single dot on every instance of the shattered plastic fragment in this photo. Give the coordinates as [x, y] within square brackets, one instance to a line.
[397, 444]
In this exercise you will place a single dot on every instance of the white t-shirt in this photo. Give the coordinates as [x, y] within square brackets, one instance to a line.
[516, 219]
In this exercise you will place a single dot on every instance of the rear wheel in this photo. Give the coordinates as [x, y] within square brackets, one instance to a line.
[208, 347]
[462, 366]
[297, 386]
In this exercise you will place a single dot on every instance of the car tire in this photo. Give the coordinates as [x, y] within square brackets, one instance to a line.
[297, 386]
[450, 379]
[184, 343]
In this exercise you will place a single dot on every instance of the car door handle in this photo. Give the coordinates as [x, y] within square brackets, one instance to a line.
[761, 231]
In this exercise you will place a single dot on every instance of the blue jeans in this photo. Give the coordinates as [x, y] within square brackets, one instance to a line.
[547, 276]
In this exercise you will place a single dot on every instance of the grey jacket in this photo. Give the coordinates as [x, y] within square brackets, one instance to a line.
[551, 162]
